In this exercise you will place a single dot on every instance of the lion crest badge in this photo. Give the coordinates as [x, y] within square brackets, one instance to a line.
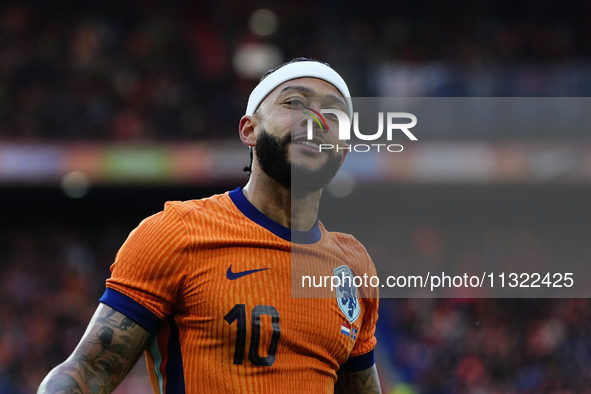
[346, 293]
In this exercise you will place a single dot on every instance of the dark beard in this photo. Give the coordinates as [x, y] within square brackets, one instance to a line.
[272, 154]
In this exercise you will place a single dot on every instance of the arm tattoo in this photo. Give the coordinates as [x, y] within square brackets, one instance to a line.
[361, 382]
[63, 383]
[110, 347]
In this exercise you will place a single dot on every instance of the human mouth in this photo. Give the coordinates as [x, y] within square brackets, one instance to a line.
[302, 139]
[309, 145]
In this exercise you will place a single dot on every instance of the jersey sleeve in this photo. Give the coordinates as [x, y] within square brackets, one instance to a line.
[362, 355]
[366, 340]
[149, 268]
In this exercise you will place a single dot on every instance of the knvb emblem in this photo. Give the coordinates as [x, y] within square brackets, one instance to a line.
[347, 293]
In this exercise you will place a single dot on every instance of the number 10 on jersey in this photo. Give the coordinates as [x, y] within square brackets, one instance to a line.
[238, 314]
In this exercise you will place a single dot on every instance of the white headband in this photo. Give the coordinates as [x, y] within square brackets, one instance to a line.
[293, 71]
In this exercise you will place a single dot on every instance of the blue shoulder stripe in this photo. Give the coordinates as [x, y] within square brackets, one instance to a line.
[132, 309]
[359, 363]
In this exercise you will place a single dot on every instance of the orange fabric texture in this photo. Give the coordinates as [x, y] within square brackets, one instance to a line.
[175, 264]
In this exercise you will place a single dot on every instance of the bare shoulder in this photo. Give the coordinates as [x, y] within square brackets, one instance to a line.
[359, 382]
[108, 350]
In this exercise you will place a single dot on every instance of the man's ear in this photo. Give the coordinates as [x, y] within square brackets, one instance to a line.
[247, 130]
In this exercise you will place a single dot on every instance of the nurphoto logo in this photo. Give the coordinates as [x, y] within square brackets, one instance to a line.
[345, 129]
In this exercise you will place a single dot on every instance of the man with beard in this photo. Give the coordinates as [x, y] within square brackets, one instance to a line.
[204, 287]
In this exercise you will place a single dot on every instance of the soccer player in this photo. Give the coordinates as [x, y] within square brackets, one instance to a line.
[204, 287]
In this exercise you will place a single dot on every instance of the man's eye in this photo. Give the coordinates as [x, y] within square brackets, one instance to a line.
[295, 103]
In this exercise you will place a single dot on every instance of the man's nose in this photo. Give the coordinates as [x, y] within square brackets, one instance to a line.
[317, 125]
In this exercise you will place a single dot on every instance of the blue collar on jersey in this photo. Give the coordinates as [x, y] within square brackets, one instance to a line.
[249, 210]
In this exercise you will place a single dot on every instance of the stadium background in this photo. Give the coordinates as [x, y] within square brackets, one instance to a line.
[109, 109]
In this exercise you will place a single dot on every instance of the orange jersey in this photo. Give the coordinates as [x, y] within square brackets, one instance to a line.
[212, 278]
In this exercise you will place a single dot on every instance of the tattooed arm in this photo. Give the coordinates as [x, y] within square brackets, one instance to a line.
[361, 382]
[110, 347]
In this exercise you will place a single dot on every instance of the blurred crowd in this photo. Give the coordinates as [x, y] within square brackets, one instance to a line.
[53, 276]
[153, 70]
[492, 346]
